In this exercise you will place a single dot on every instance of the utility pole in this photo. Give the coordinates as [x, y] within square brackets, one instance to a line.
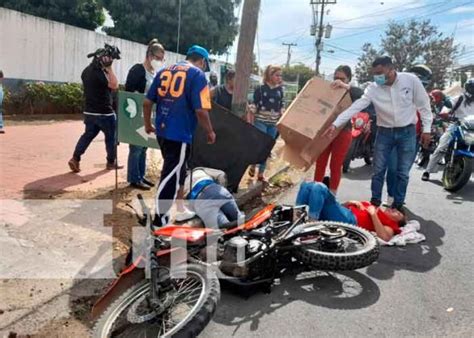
[179, 27]
[319, 40]
[243, 66]
[288, 58]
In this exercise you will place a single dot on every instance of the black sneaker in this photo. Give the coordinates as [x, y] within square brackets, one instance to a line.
[148, 182]
[113, 166]
[399, 207]
[425, 176]
[326, 181]
[375, 202]
[140, 186]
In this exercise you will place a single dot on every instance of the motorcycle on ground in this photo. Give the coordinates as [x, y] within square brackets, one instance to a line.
[276, 240]
[362, 145]
[459, 156]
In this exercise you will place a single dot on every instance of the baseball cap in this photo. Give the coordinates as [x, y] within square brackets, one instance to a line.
[196, 49]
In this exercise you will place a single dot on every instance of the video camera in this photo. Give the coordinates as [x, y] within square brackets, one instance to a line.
[111, 51]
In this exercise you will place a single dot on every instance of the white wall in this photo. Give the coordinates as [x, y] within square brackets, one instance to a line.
[38, 49]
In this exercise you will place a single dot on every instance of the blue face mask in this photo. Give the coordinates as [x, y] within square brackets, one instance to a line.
[380, 79]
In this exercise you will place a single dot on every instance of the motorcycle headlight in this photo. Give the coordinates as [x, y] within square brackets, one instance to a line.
[469, 137]
[359, 122]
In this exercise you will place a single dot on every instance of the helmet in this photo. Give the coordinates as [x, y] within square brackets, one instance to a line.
[423, 72]
[437, 96]
[469, 87]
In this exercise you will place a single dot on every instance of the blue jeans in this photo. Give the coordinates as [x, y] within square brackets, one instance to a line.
[272, 131]
[392, 170]
[322, 203]
[136, 166]
[95, 124]
[402, 141]
[215, 205]
[1, 116]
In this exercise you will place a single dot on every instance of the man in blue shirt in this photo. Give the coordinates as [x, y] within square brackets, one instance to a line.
[181, 94]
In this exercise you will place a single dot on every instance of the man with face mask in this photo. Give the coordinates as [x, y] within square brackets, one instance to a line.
[99, 80]
[182, 98]
[139, 80]
[396, 97]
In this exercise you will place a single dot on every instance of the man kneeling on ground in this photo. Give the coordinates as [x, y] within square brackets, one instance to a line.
[211, 201]
[385, 222]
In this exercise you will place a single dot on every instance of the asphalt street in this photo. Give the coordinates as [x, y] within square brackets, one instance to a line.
[422, 289]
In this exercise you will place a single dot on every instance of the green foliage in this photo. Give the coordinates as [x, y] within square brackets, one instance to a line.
[210, 23]
[291, 74]
[363, 68]
[41, 98]
[409, 44]
[86, 14]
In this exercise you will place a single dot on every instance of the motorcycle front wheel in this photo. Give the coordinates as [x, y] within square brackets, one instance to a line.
[188, 307]
[351, 154]
[457, 173]
[348, 248]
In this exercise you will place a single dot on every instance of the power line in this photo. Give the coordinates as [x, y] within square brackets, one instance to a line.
[405, 19]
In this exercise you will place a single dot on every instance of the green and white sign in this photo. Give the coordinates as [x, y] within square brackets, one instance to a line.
[130, 121]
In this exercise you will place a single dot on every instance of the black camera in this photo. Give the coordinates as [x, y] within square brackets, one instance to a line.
[111, 51]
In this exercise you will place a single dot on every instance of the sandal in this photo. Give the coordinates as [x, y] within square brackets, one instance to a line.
[252, 171]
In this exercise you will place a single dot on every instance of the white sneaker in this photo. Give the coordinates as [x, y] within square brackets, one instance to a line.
[389, 201]
[184, 215]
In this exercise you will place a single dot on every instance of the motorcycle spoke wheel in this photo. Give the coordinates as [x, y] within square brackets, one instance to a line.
[134, 317]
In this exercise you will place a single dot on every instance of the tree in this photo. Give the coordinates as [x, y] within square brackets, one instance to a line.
[291, 74]
[86, 14]
[363, 68]
[409, 44]
[210, 23]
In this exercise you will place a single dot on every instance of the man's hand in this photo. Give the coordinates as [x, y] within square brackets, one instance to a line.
[211, 137]
[425, 140]
[371, 210]
[340, 84]
[330, 132]
[149, 128]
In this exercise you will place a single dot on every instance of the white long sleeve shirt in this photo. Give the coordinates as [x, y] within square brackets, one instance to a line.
[395, 105]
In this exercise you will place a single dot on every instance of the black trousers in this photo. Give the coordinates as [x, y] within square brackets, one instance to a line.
[173, 173]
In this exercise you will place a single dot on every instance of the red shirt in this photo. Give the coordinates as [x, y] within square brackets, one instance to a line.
[365, 221]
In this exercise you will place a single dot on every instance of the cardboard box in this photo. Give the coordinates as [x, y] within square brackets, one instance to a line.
[309, 115]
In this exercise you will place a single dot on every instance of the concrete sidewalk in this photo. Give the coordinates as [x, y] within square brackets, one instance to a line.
[34, 162]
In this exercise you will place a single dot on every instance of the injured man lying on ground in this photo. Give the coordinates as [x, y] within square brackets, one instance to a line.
[205, 188]
[385, 222]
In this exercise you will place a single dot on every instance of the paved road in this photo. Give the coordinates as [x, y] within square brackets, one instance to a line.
[418, 290]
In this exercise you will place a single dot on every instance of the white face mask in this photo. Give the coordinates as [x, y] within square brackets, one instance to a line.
[156, 64]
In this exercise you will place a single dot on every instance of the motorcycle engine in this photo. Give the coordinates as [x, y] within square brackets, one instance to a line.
[236, 253]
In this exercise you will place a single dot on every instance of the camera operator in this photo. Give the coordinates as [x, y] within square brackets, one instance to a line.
[99, 80]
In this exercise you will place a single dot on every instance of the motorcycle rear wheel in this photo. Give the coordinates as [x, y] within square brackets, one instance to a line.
[457, 174]
[364, 249]
[149, 324]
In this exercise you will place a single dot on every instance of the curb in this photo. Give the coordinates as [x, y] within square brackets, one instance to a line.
[245, 196]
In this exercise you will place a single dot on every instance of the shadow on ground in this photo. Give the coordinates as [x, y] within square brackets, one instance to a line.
[421, 257]
[343, 290]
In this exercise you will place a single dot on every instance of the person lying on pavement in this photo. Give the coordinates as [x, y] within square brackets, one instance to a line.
[385, 222]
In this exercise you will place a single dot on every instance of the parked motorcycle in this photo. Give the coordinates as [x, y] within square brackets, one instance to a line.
[276, 240]
[460, 155]
[362, 145]
[438, 127]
